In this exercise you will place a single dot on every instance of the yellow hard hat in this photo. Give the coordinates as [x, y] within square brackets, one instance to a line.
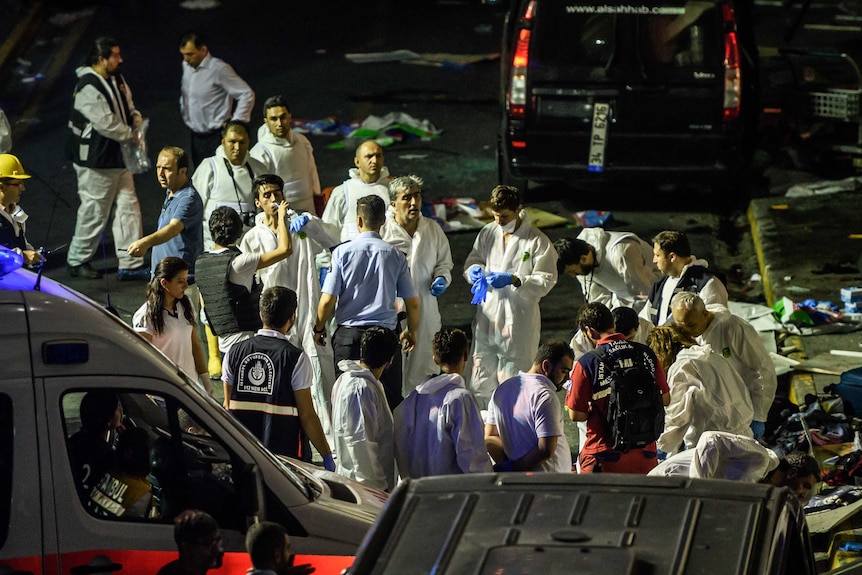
[10, 167]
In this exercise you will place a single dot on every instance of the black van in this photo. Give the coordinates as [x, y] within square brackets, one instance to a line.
[595, 90]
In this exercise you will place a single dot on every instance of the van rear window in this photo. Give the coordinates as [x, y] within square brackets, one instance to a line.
[649, 40]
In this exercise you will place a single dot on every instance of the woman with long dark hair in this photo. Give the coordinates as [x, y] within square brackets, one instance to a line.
[167, 319]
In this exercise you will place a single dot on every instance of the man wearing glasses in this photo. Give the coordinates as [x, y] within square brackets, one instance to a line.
[12, 217]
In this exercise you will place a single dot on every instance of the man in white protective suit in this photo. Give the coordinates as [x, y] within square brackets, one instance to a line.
[613, 268]
[515, 266]
[737, 341]
[706, 393]
[299, 273]
[438, 429]
[288, 154]
[225, 178]
[429, 258]
[369, 177]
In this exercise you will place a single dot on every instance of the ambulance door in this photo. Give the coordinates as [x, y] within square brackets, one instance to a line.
[114, 509]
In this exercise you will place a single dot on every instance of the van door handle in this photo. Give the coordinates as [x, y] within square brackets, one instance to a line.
[98, 564]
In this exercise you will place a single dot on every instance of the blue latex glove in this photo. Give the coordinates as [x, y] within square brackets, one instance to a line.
[297, 223]
[475, 272]
[499, 279]
[329, 462]
[660, 455]
[479, 291]
[759, 428]
[438, 286]
[504, 466]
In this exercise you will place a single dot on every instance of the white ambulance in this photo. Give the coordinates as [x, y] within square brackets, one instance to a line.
[58, 346]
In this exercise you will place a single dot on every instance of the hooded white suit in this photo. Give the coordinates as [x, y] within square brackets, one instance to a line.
[298, 272]
[428, 256]
[340, 213]
[216, 187]
[507, 327]
[292, 159]
[625, 269]
[706, 394]
[362, 425]
[438, 430]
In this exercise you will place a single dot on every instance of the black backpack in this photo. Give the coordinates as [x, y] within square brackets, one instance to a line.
[635, 407]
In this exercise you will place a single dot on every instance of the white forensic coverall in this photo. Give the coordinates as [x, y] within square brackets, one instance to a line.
[706, 394]
[298, 272]
[100, 189]
[428, 256]
[720, 455]
[363, 428]
[507, 327]
[438, 430]
[216, 187]
[625, 269]
[736, 340]
[340, 213]
[292, 159]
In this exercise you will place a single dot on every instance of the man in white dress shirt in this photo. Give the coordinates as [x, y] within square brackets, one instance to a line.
[209, 90]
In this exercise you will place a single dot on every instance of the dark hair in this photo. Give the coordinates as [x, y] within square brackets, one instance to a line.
[266, 180]
[97, 409]
[625, 319]
[180, 155]
[133, 452]
[167, 269]
[570, 250]
[225, 225]
[234, 126]
[450, 345]
[377, 346]
[801, 462]
[191, 525]
[193, 37]
[597, 316]
[275, 102]
[673, 241]
[101, 48]
[372, 210]
[261, 542]
[553, 350]
[505, 198]
[277, 306]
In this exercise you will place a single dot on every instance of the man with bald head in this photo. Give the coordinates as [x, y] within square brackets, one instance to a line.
[736, 340]
[369, 177]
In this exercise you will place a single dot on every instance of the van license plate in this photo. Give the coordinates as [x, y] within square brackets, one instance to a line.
[599, 137]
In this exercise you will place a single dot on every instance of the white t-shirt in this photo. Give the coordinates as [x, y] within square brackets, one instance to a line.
[524, 408]
[175, 341]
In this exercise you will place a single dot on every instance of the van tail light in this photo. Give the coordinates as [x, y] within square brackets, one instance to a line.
[516, 98]
[732, 80]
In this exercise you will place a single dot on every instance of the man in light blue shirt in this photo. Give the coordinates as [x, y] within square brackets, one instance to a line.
[367, 275]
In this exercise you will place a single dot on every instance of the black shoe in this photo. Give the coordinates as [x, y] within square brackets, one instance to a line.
[85, 270]
[133, 274]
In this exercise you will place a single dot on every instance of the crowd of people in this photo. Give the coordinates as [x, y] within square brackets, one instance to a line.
[322, 318]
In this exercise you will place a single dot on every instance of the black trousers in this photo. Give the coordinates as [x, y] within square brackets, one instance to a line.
[345, 345]
[203, 145]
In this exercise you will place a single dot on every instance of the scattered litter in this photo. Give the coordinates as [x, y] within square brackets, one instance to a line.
[200, 4]
[592, 218]
[374, 57]
[62, 19]
[329, 126]
[452, 61]
[824, 187]
[24, 62]
[31, 79]
[412, 156]
[459, 214]
[389, 129]
[756, 277]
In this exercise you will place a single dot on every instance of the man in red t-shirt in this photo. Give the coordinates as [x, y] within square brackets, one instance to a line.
[587, 399]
